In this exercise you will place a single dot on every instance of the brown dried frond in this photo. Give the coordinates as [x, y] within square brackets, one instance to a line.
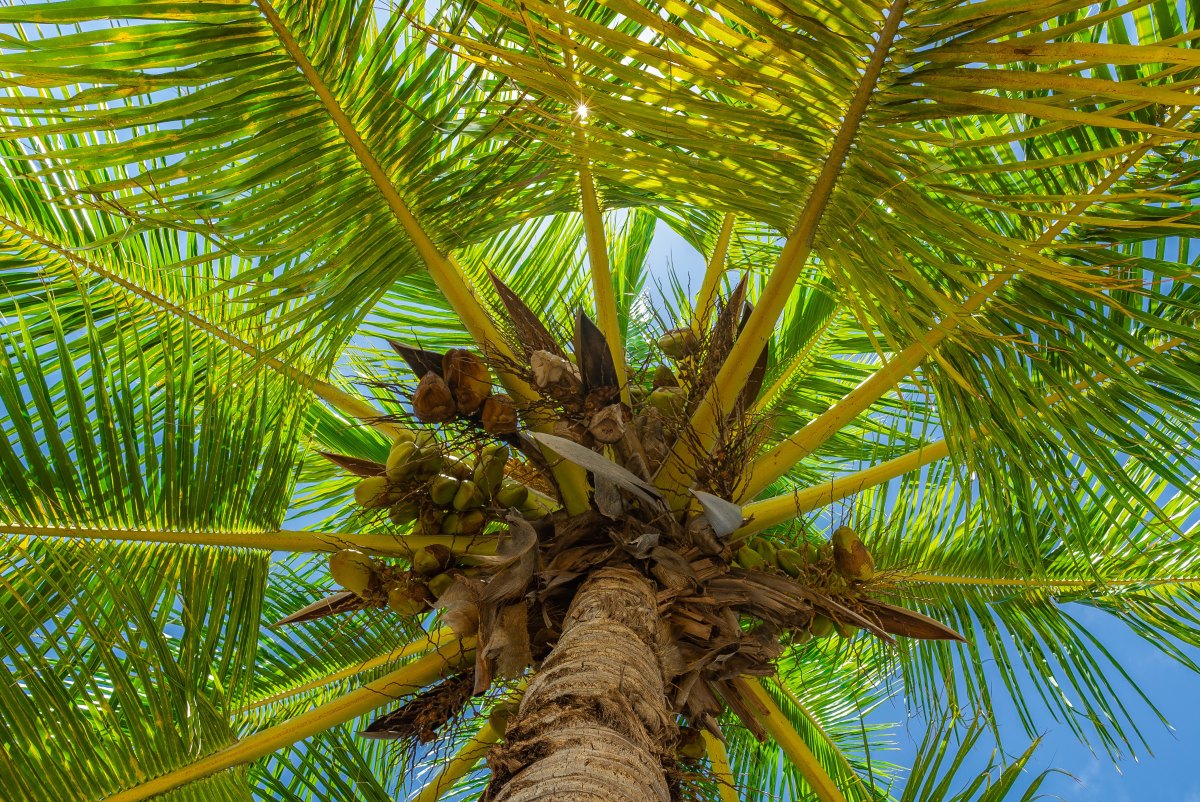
[420, 718]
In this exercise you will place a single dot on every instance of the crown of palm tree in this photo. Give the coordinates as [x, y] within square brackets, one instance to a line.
[948, 315]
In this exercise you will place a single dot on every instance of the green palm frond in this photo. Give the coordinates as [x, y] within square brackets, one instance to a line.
[1022, 623]
[963, 226]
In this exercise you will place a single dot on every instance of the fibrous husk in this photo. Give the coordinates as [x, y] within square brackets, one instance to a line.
[499, 414]
[555, 375]
[433, 402]
[608, 425]
[468, 379]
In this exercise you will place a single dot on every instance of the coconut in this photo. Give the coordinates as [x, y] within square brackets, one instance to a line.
[821, 626]
[433, 402]
[402, 601]
[670, 401]
[750, 559]
[850, 556]
[442, 489]
[791, 561]
[678, 343]
[664, 377]
[398, 467]
[533, 509]
[440, 584]
[468, 379]
[501, 714]
[489, 470]
[429, 522]
[426, 462]
[499, 415]
[373, 491]
[767, 550]
[352, 569]
[403, 512]
[431, 560]
[512, 494]
[403, 436]
[691, 744]
[468, 496]
[471, 522]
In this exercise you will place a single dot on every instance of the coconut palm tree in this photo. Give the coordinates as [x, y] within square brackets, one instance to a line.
[350, 452]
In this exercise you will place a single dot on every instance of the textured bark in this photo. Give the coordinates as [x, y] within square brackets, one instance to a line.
[594, 724]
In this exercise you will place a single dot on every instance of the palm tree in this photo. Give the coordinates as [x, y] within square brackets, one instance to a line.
[293, 289]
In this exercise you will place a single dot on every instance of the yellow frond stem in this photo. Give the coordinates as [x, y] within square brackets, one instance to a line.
[431, 640]
[722, 773]
[282, 540]
[706, 298]
[1049, 585]
[457, 767]
[338, 399]
[780, 459]
[445, 271]
[401, 682]
[676, 474]
[777, 509]
[793, 746]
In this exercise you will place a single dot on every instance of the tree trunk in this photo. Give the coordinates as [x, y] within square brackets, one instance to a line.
[595, 724]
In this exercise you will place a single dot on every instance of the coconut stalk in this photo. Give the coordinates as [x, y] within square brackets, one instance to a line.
[401, 682]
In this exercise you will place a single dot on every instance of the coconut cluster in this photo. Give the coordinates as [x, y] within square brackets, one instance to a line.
[480, 470]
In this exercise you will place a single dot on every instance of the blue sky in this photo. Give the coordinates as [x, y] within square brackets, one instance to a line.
[1171, 773]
